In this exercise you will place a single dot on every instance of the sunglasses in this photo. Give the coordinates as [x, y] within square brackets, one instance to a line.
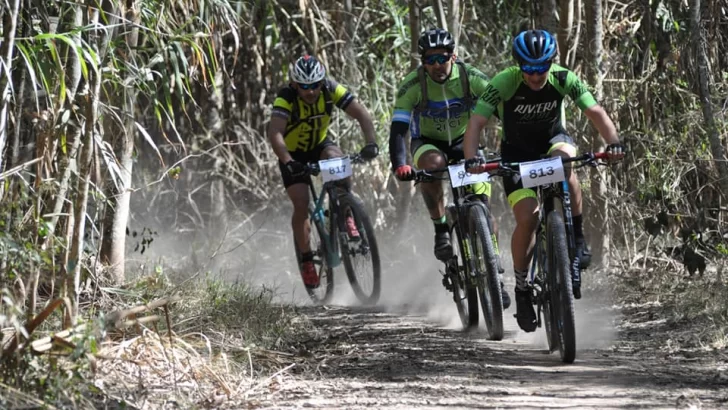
[437, 58]
[309, 86]
[535, 69]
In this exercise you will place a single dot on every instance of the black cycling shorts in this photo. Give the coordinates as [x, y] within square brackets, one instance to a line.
[512, 186]
[306, 157]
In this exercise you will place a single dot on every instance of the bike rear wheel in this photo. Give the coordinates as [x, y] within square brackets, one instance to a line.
[323, 293]
[486, 270]
[361, 256]
[464, 292]
[560, 287]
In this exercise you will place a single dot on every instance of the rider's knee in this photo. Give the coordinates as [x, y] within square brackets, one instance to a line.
[431, 159]
[525, 209]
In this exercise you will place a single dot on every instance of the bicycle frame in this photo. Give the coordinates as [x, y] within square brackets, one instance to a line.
[318, 214]
[462, 200]
[546, 195]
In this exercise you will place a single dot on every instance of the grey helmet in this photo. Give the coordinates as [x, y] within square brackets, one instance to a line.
[307, 70]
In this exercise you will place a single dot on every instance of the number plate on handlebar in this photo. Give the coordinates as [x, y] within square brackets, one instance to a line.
[542, 172]
[459, 177]
[335, 169]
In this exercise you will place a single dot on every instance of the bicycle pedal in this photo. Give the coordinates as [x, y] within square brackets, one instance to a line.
[447, 283]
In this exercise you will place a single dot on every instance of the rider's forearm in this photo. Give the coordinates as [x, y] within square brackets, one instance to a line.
[472, 135]
[367, 127]
[397, 146]
[603, 124]
[361, 115]
[279, 147]
[282, 152]
[276, 130]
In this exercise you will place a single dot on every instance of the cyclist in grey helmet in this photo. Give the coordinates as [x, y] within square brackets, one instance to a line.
[298, 133]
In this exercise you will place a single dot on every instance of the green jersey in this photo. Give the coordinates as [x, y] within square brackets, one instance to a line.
[445, 115]
[529, 115]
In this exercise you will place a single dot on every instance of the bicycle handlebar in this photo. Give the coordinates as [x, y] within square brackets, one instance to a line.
[314, 168]
[426, 175]
[510, 168]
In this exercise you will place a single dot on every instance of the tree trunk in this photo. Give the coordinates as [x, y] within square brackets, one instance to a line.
[353, 71]
[414, 24]
[440, 14]
[546, 15]
[90, 102]
[701, 61]
[113, 245]
[454, 9]
[566, 24]
[598, 221]
[406, 190]
[10, 23]
[71, 20]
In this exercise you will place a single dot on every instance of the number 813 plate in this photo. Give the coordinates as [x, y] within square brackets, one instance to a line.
[542, 172]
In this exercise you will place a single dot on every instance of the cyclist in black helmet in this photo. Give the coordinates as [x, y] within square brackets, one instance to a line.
[529, 98]
[298, 133]
[434, 103]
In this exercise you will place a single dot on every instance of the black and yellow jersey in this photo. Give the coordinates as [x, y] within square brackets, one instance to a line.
[308, 123]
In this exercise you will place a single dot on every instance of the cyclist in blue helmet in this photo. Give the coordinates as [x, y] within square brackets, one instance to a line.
[529, 100]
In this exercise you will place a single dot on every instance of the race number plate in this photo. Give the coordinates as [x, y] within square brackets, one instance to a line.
[542, 172]
[460, 177]
[335, 169]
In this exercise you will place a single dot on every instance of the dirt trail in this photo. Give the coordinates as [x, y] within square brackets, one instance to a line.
[369, 358]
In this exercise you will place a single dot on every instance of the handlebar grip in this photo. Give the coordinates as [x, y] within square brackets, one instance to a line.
[601, 155]
[492, 166]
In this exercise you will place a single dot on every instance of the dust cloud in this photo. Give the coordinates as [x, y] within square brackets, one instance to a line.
[257, 249]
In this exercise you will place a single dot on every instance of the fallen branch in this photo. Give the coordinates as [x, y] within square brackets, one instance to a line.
[114, 320]
[32, 324]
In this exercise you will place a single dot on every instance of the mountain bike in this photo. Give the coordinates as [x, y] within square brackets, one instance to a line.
[555, 274]
[472, 271]
[329, 208]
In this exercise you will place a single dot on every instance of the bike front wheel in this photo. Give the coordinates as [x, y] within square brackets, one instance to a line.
[464, 292]
[560, 286]
[486, 270]
[323, 293]
[360, 254]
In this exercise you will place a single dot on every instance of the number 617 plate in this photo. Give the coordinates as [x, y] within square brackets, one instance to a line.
[542, 172]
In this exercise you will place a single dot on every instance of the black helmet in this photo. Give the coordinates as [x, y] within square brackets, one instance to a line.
[435, 38]
[534, 47]
[307, 70]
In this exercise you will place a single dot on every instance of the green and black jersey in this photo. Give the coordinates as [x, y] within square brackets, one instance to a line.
[446, 112]
[443, 117]
[530, 116]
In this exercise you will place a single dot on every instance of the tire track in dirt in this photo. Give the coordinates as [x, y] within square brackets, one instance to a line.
[360, 358]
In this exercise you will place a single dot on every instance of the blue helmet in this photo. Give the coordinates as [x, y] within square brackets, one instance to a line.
[534, 47]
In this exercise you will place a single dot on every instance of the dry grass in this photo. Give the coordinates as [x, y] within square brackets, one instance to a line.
[214, 344]
[152, 370]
